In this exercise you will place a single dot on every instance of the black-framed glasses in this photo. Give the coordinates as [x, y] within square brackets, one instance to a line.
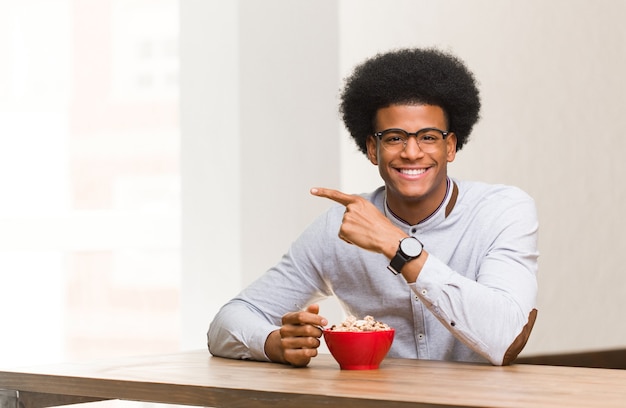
[395, 140]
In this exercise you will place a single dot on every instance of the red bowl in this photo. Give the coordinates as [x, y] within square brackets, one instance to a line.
[359, 350]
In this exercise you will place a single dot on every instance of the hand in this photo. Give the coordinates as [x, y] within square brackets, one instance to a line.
[363, 225]
[297, 340]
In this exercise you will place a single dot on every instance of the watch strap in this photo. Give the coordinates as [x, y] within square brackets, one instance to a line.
[397, 262]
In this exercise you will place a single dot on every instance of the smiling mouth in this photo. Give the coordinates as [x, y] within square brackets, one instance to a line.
[412, 172]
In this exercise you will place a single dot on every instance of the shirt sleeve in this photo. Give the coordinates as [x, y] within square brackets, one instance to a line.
[241, 326]
[237, 332]
[493, 312]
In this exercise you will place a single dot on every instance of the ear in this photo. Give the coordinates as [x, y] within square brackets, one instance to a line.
[372, 153]
[451, 147]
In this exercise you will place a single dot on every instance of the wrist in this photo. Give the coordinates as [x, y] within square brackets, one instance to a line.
[392, 242]
[273, 348]
[412, 269]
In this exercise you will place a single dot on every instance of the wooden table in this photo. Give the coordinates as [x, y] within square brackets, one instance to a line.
[196, 378]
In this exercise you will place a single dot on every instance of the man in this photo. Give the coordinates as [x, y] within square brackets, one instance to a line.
[450, 265]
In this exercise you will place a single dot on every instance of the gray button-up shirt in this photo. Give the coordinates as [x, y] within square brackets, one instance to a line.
[471, 301]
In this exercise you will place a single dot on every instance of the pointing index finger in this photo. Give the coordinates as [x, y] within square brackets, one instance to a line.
[335, 195]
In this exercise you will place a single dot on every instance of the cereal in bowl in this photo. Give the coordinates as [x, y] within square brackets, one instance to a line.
[352, 324]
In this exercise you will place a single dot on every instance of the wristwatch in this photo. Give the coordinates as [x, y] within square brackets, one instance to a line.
[409, 248]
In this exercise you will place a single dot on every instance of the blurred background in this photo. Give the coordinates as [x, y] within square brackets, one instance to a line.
[156, 155]
[89, 179]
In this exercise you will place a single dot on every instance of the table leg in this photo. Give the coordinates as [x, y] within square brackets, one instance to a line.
[8, 399]
[25, 399]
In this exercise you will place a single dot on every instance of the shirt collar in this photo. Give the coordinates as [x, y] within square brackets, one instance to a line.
[440, 214]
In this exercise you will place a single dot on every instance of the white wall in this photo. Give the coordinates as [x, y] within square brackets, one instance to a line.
[552, 89]
[258, 120]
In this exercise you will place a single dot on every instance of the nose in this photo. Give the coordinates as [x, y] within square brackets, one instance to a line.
[412, 148]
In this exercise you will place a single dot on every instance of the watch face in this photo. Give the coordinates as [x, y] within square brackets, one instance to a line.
[411, 246]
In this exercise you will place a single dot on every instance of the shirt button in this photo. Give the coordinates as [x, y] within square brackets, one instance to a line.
[417, 299]
[420, 336]
[424, 292]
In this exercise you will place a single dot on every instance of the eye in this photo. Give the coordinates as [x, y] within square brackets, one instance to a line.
[430, 136]
[394, 138]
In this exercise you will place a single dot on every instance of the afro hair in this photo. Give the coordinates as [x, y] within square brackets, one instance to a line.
[410, 76]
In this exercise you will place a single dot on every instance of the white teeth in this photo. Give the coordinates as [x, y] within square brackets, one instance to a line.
[412, 172]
